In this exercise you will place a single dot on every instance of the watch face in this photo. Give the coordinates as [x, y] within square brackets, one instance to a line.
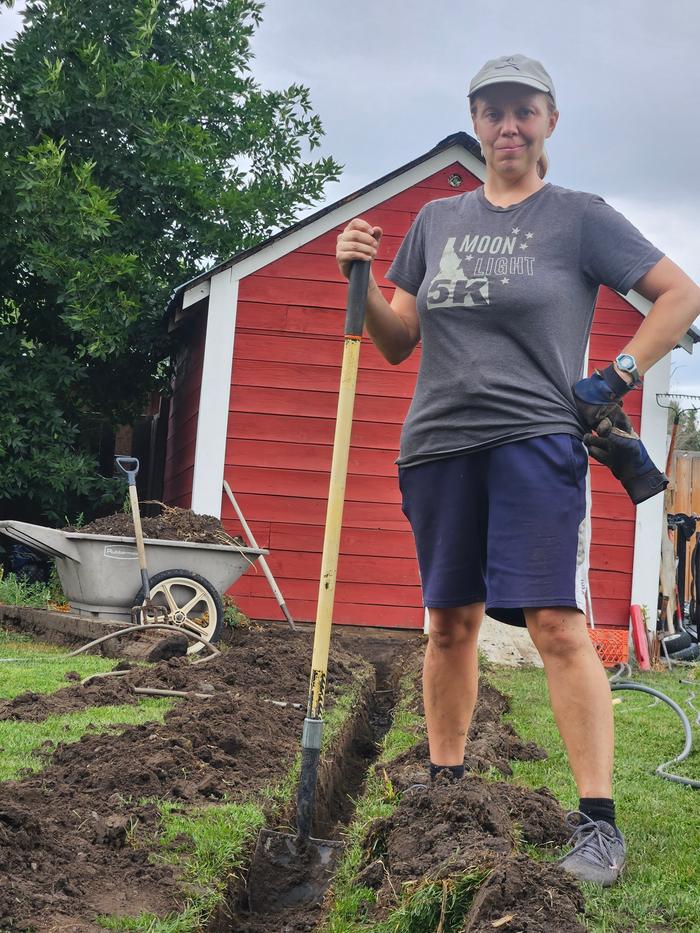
[626, 362]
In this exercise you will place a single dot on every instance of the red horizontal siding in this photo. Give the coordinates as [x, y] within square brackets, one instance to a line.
[351, 613]
[289, 508]
[293, 401]
[272, 427]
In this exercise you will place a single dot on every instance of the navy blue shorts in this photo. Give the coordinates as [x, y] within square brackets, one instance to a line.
[505, 526]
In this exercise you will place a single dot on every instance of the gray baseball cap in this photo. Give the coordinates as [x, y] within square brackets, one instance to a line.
[518, 69]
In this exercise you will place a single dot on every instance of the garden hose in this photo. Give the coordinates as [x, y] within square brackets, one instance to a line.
[180, 629]
[617, 684]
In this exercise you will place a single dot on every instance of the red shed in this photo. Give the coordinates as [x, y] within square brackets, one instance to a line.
[255, 400]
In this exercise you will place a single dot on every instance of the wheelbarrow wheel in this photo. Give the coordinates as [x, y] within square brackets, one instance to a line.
[189, 601]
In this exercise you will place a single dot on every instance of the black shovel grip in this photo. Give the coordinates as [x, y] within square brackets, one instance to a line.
[306, 797]
[357, 298]
[128, 466]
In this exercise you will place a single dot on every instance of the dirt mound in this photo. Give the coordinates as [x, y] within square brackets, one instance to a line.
[274, 662]
[446, 824]
[76, 838]
[492, 743]
[173, 524]
[451, 829]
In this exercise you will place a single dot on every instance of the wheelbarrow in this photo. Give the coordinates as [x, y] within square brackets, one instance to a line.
[99, 574]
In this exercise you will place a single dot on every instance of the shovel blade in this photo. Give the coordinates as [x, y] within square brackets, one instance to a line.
[289, 870]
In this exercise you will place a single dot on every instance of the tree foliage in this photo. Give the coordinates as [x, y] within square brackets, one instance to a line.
[137, 148]
[688, 436]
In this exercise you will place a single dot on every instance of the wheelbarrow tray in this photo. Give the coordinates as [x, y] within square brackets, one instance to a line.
[100, 573]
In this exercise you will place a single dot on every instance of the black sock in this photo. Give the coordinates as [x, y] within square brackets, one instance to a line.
[457, 771]
[598, 808]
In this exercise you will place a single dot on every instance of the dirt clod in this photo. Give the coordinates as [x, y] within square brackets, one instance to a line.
[175, 646]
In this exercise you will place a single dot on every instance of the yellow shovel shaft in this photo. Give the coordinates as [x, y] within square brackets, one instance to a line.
[334, 521]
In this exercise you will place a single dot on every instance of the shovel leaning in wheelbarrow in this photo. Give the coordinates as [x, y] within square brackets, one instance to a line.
[301, 865]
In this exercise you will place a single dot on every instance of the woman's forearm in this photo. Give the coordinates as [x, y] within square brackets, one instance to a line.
[389, 332]
[668, 320]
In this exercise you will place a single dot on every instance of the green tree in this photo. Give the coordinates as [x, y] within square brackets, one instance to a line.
[137, 148]
[688, 436]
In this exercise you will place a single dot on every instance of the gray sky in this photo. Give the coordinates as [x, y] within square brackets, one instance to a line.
[389, 77]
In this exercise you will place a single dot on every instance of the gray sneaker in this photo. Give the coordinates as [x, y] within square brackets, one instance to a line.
[597, 853]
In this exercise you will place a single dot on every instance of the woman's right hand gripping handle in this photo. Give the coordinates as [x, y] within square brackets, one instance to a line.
[394, 327]
[359, 240]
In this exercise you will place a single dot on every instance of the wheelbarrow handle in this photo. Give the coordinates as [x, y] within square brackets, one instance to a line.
[128, 466]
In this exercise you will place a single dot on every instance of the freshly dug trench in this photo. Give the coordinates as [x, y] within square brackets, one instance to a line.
[76, 838]
[340, 784]
[263, 659]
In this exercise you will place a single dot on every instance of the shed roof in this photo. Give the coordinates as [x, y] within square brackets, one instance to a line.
[463, 139]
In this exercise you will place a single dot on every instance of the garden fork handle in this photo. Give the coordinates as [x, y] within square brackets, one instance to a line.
[130, 466]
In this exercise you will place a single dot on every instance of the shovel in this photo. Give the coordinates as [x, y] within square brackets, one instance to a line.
[296, 868]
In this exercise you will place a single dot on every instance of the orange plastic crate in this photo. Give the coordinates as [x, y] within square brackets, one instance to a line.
[612, 645]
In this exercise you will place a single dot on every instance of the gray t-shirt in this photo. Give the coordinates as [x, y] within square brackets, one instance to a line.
[505, 298]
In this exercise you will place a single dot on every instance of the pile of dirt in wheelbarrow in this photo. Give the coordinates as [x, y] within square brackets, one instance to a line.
[173, 524]
[77, 838]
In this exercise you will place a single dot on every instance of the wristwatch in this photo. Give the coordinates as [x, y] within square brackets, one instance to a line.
[626, 363]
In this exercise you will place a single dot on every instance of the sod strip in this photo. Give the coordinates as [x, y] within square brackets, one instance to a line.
[348, 899]
[215, 844]
[40, 671]
[660, 820]
[20, 741]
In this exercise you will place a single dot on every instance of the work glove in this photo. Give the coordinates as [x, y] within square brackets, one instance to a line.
[599, 402]
[618, 447]
[599, 395]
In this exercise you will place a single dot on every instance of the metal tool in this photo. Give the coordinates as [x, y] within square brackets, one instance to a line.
[263, 563]
[146, 611]
[285, 851]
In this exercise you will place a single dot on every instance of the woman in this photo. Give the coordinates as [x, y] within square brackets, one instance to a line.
[500, 285]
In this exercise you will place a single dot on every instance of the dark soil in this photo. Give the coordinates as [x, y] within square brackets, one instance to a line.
[68, 849]
[276, 883]
[259, 661]
[453, 826]
[76, 839]
[173, 524]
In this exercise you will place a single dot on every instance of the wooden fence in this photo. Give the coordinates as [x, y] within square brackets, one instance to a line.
[685, 494]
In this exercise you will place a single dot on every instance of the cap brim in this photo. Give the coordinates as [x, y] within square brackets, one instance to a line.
[510, 79]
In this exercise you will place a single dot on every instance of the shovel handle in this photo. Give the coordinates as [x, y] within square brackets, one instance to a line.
[129, 466]
[354, 323]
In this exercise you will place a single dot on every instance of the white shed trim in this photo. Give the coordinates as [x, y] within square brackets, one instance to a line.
[650, 514]
[345, 212]
[212, 419]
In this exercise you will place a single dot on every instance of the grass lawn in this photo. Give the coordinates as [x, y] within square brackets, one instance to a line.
[42, 669]
[659, 890]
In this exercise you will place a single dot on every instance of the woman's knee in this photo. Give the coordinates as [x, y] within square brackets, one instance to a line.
[557, 631]
[452, 627]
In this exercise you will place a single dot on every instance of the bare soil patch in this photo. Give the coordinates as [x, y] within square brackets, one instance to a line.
[76, 838]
